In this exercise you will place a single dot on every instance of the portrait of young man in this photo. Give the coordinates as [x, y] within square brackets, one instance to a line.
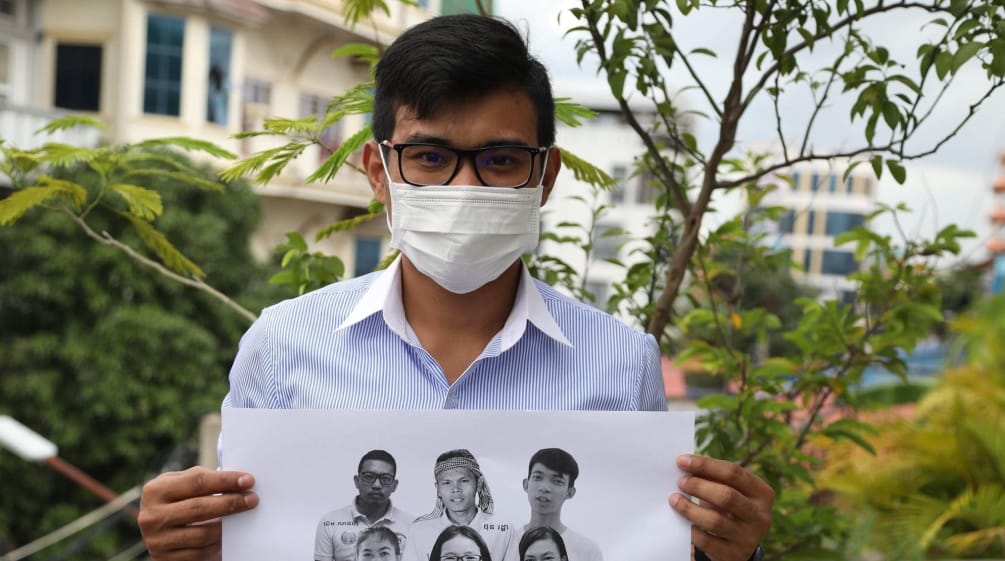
[551, 481]
[338, 531]
[463, 498]
[463, 157]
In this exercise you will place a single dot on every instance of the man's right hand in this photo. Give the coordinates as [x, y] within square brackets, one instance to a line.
[180, 511]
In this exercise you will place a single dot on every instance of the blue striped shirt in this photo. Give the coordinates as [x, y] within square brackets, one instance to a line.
[348, 346]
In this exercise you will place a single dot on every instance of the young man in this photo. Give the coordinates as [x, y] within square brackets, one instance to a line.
[463, 498]
[378, 543]
[463, 158]
[551, 480]
[338, 531]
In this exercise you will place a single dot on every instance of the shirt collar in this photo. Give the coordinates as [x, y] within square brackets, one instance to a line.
[384, 295]
[356, 514]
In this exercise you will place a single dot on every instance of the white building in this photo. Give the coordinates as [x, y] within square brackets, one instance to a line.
[822, 205]
[609, 143]
[206, 69]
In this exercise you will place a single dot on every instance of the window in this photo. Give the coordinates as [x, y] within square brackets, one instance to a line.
[4, 72]
[617, 193]
[833, 184]
[795, 180]
[840, 222]
[849, 185]
[605, 245]
[331, 137]
[162, 86]
[814, 183]
[367, 255]
[811, 220]
[647, 189]
[258, 92]
[786, 222]
[78, 77]
[807, 260]
[840, 263]
[218, 92]
[7, 7]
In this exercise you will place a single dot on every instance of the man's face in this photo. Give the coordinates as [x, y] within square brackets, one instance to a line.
[503, 117]
[375, 482]
[547, 489]
[457, 489]
[376, 548]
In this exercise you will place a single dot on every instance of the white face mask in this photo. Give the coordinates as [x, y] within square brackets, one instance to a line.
[463, 236]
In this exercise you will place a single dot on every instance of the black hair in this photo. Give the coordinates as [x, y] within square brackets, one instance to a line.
[558, 460]
[452, 532]
[379, 455]
[382, 532]
[542, 533]
[458, 58]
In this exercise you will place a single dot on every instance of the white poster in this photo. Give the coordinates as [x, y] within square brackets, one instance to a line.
[319, 474]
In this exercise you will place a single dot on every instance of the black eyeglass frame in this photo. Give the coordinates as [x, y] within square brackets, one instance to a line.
[364, 475]
[462, 154]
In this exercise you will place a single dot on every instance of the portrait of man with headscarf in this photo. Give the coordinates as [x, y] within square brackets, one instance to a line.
[463, 498]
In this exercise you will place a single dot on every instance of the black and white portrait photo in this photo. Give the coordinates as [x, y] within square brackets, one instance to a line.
[457, 485]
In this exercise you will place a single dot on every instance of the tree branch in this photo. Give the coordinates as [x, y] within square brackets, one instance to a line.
[107, 239]
[828, 32]
[676, 191]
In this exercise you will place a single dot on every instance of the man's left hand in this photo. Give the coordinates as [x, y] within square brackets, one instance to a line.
[734, 509]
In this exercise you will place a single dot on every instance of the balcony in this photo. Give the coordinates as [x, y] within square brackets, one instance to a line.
[19, 123]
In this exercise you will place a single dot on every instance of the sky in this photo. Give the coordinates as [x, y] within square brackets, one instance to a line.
[951, 186]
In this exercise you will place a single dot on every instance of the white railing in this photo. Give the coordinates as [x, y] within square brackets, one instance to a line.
[19, 123]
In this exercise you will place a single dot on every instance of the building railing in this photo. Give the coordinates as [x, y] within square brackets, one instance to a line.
[18, 125]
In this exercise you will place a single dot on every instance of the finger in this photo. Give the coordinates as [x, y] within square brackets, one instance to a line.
[721, 498]
[200, 509]
[212, 553]
[708, 519]
[195, 482]
[199, 537]
[720, 549]
[727, 473]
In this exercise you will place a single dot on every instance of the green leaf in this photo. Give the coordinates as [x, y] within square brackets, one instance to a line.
[189, 178]
[69, 122]
[338, 158]
[877, 166]
[585, 171]
[965, 53]
[61, 155]
[189, 144]
[569, 112]
[143, 203]
[361, 50]
[943, 63]
[703, 51]
[897, 170]
[160, 245]
[23, 200]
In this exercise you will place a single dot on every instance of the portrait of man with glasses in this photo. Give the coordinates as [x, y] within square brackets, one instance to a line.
[339, 530]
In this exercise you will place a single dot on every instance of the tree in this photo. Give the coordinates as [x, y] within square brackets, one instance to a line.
[112, 363]
[936, 484]
[776, 410]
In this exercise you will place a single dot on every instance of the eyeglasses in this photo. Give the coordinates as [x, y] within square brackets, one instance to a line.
[423, 164]
[368, 477]
[465, 557]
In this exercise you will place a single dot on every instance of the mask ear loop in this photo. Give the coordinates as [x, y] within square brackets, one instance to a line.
[387, 174]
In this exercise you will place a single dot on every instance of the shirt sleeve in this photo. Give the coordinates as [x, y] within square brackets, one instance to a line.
[252, 383]
[652, 394]
[323, 550]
